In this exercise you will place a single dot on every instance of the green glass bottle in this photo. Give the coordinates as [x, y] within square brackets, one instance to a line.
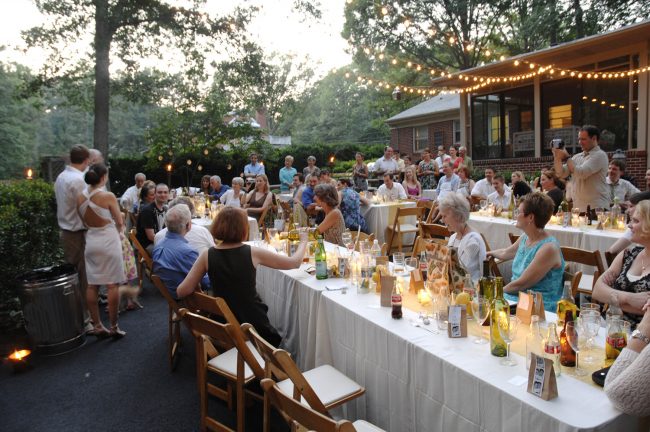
[511, 206]
[321, 260]
[499, 310]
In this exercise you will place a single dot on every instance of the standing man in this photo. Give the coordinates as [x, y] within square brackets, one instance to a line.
[131, 196]
[217, 189]
[619, 187]
[484, 187]
[442, 156]
[69, 185]
[501, 196]
[286, 174]
[467, 161]
[253, 169]
[588, 170]
[386, 164]
[152, 218]
[449, 182]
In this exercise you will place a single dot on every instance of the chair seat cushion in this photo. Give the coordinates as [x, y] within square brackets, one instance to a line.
[329, 384]
[227, 362]
[364, 426]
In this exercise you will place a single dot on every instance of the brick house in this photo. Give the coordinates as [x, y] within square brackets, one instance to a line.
[525, 101]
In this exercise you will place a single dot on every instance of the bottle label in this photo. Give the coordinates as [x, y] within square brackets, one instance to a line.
[616, 342]
[321, 267]
[552, 349]
[396, 299]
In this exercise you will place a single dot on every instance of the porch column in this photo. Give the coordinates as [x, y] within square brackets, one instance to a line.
[537, 126]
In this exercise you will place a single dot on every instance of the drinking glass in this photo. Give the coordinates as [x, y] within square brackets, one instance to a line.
[508, 325]
[573, 330]
[273, 232]
[398, 262]
[483, 203]
[433, 291]
[442, 315]
[411, 264]
[590, 322]
[480, 310]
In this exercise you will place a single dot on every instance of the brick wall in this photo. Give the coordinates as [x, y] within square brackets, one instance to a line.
[402, 138]
[636, 161]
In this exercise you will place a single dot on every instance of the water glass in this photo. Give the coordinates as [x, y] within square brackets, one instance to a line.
[574, 329]
[480, 310]
[411, 264]
[508, 326]
[398, 262]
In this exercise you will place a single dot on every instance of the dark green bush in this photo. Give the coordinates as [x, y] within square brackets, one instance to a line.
[29, 238]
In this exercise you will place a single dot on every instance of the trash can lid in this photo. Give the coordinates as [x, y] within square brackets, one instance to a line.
[48, 273]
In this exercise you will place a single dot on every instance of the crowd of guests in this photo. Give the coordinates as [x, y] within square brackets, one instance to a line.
[189, 257]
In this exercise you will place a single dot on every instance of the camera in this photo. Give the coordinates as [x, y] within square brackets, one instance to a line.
[557, 143]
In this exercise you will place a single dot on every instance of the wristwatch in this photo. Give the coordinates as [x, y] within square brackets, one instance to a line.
[636, 334]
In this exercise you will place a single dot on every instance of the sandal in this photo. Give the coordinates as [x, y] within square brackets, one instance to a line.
[116, 333]
[100, 332]
[133, 304]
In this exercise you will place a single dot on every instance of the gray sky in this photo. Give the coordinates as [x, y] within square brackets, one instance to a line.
[277, 28]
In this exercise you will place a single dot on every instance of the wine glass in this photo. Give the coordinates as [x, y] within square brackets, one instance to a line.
[433, 290]
[573, 330]
[347, 241]
[483, 203]
[508, 325]
[590, 320]
[442, 303]
[480, 310]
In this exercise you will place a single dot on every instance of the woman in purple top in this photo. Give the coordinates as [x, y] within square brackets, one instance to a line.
[411, 184]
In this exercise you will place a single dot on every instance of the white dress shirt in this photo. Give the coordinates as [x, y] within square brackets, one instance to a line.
[198, 237]
[483, 188]
[67, 188]
[392, 194]
[383, 165]
[622, 189]
[502, 201]
[130, 198]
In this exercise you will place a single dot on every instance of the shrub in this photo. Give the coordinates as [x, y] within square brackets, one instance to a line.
[29, 238]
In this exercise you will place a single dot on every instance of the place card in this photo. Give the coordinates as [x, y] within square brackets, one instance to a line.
[457, 321]
[417, 281]
[541, 378]
[387, 283]
[529, 304]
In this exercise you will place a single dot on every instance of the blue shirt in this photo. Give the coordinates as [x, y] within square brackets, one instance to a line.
[446, 185]
[307, 197]
[216, 194]
[551, 284]
[256, 169]
[286, 178]
[173, 259]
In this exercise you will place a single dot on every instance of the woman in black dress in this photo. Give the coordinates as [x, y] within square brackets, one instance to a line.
[231, 267]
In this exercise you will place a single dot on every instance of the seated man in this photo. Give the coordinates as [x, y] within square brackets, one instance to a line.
[449, 182]
[298, 188]
[308, 194]
[173, 257]
[501, 196]
[484, 187]
[198, 237]
[216, 188]
[390, 190]
[619, 187]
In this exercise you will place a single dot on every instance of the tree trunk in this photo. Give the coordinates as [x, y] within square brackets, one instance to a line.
[580, 28]
[103, 37]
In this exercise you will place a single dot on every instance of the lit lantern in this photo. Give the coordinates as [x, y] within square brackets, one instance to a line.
[18, 359]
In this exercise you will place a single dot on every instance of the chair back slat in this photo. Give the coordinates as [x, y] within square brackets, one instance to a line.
[609, 258]
[160, 285]
[201, 325]
[429, 231]
[513, 238]
[144, 255]
[198, 301]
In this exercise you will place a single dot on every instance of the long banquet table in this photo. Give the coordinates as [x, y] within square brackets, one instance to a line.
[417, 381]
[379, 216]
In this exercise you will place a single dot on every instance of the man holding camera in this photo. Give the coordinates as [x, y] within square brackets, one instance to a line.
[588, 170]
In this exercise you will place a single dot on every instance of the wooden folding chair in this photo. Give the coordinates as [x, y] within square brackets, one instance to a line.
[574, 278]
[494, 263]
[323, 387]
[400, 228]
[286, 209]
[513, 238]
[302, 416]
[229, 364]
[434, 231]
[173, 320]
[300, 215]
[609, 258]
[584, 257]
[428, 206]
[145, 263]
[361, 238]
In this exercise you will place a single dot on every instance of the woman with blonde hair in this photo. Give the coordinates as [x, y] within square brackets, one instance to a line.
[259, 199]
[411, 184]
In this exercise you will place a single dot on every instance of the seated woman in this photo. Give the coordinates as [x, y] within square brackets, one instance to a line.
[235, 196]
[538, 263]
[625, 240]
[628, 278]
[411, 184]
[231, 267]
[454, 210]
[551, 186]
[519, 185]
[628, 382]
[350, 206]
[333, 225]
[205, 185]
[466, 183]
[258, 199]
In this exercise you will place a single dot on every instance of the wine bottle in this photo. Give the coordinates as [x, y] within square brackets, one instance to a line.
[321, 260]
[293, 237]
[499, 310]
[567, 354]
[566, 215]
[533, 340]
[552, 348]
[588, 215]
[565, 304]
[614, 213]
[486, 283]
[511, 206]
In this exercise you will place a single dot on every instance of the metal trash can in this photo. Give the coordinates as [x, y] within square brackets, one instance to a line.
[53, 309]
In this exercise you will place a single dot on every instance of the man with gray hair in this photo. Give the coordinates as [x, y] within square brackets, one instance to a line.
[198, 237]
[216, 188]
[131, 196]
[173, 257]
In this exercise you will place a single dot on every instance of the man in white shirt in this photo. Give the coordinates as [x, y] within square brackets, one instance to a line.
[501, 196]
[131, 196]
[618, 187]
[386, 164]
[400, 163]
[442, 156]
[484, 187]
[449, 182]
[391, 191]
[67, 188]
[198, 237]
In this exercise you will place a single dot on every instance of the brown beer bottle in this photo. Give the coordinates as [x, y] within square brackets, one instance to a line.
[567, 354]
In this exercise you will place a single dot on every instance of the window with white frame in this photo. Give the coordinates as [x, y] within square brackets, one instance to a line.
[420, 138]
[456, 131]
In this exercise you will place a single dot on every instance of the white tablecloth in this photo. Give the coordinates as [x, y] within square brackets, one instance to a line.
[417, 381]
[496, 232]
[285, 197]
[380, 216]
[252, 225]
[431, 194]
